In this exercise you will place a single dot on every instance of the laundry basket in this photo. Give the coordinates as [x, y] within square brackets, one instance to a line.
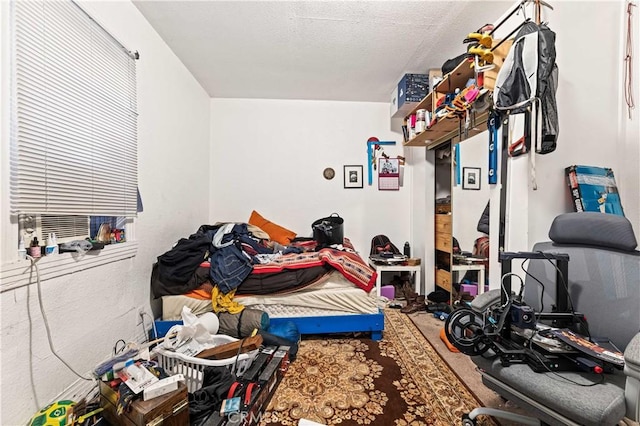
[193, 368]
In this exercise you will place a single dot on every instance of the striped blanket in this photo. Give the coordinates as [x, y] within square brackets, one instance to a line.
[349, 264]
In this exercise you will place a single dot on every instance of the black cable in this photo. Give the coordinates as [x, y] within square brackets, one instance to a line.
[535, 279]
[566, 287]
[235, 363]
[115, 347]
[562, 278]
[566, 378]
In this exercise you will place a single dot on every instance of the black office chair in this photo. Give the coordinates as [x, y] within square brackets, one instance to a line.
[603, 284]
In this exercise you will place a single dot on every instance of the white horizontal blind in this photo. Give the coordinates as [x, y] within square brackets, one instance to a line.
[74, 115]
[66, 228]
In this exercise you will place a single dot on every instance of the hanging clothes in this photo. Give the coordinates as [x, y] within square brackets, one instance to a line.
[527, 83]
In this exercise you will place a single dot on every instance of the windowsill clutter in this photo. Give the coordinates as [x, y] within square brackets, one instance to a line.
[16, 274]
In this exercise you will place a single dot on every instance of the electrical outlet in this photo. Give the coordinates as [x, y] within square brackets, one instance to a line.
[140, 316]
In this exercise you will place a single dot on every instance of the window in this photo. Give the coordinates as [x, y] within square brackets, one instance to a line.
[73, 133]
[73, 119]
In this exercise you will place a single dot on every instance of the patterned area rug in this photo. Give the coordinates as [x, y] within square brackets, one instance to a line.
[400, 380]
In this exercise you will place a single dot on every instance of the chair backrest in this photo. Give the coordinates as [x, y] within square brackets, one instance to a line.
[603, 282]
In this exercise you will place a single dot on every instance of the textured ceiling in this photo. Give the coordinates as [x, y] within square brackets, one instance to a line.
[323, 50]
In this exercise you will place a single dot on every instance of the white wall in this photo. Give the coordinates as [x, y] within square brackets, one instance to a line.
[90, 310]
[269, 155]
[594, 130]
[422, 201]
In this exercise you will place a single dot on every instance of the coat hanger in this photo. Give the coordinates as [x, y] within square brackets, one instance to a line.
[521, 7]
[538, 4]
[511, 33]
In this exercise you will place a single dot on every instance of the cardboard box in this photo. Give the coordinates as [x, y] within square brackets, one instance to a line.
[411, 89]
[435, 77]
[593, 189]
[171, 409]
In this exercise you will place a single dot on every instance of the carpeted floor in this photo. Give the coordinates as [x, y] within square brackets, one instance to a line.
[400, 380]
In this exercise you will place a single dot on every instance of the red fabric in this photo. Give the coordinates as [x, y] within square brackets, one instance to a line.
[349, 264]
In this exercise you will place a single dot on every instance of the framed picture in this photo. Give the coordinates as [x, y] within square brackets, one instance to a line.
[471, 178]
[353, 176]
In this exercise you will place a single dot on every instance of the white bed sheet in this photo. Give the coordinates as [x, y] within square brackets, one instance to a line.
[172, 306]
[336, 294]
[332, 295]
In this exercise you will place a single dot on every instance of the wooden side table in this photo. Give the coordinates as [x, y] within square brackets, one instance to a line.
[380, 268]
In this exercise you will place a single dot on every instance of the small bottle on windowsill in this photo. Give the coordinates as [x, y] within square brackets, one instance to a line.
[35, 250]
[22, 251]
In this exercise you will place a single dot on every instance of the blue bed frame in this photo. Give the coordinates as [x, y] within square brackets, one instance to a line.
[373, 323]
[364, 323]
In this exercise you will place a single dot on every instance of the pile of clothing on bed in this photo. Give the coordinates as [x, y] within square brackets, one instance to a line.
[225, 260]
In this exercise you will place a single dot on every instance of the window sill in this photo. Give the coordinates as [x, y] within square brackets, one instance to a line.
[16, 274]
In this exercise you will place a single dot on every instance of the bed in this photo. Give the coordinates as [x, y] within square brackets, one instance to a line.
[324, 291]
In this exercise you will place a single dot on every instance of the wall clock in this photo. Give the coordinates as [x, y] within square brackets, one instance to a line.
[328, 173]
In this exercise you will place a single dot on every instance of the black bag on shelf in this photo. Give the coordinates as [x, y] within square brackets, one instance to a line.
[328, 230]
[451, 64]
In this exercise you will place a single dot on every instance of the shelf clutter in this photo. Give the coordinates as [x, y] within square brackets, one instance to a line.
[457, 107]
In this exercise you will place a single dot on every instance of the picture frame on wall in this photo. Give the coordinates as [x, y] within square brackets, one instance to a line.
[353, 176]
[471, 178]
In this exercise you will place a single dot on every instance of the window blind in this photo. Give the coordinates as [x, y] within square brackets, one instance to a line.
[66, 228]
[74, 114]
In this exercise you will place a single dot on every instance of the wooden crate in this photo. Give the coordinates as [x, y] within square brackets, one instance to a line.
[443, 279]
[171, 409]
[443, 223]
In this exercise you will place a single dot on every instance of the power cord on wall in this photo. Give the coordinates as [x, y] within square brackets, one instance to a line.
[153, 325]
[34, 267]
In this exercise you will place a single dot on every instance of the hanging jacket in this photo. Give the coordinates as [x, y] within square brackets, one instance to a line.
[529, 76]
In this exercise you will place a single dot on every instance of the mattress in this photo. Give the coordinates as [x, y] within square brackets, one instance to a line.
[172, 306]
[334, 296]
[331, 295]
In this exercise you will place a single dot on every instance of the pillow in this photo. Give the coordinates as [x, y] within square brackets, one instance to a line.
[276, 232]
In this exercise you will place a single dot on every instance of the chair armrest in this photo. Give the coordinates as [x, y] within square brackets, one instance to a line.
[632, 371]
[632, 358]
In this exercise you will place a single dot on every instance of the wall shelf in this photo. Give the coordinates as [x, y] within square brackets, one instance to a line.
[446, 129]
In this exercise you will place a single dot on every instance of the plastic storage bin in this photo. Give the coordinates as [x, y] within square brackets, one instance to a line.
[193, 368]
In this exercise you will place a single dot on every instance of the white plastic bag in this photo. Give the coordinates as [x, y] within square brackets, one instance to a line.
[191, 337]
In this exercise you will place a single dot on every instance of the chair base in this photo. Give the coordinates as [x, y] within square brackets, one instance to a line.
[469, 419]
[544, 414]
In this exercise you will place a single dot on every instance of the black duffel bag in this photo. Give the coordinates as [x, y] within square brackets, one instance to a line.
[451, 64]
[328, 230]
